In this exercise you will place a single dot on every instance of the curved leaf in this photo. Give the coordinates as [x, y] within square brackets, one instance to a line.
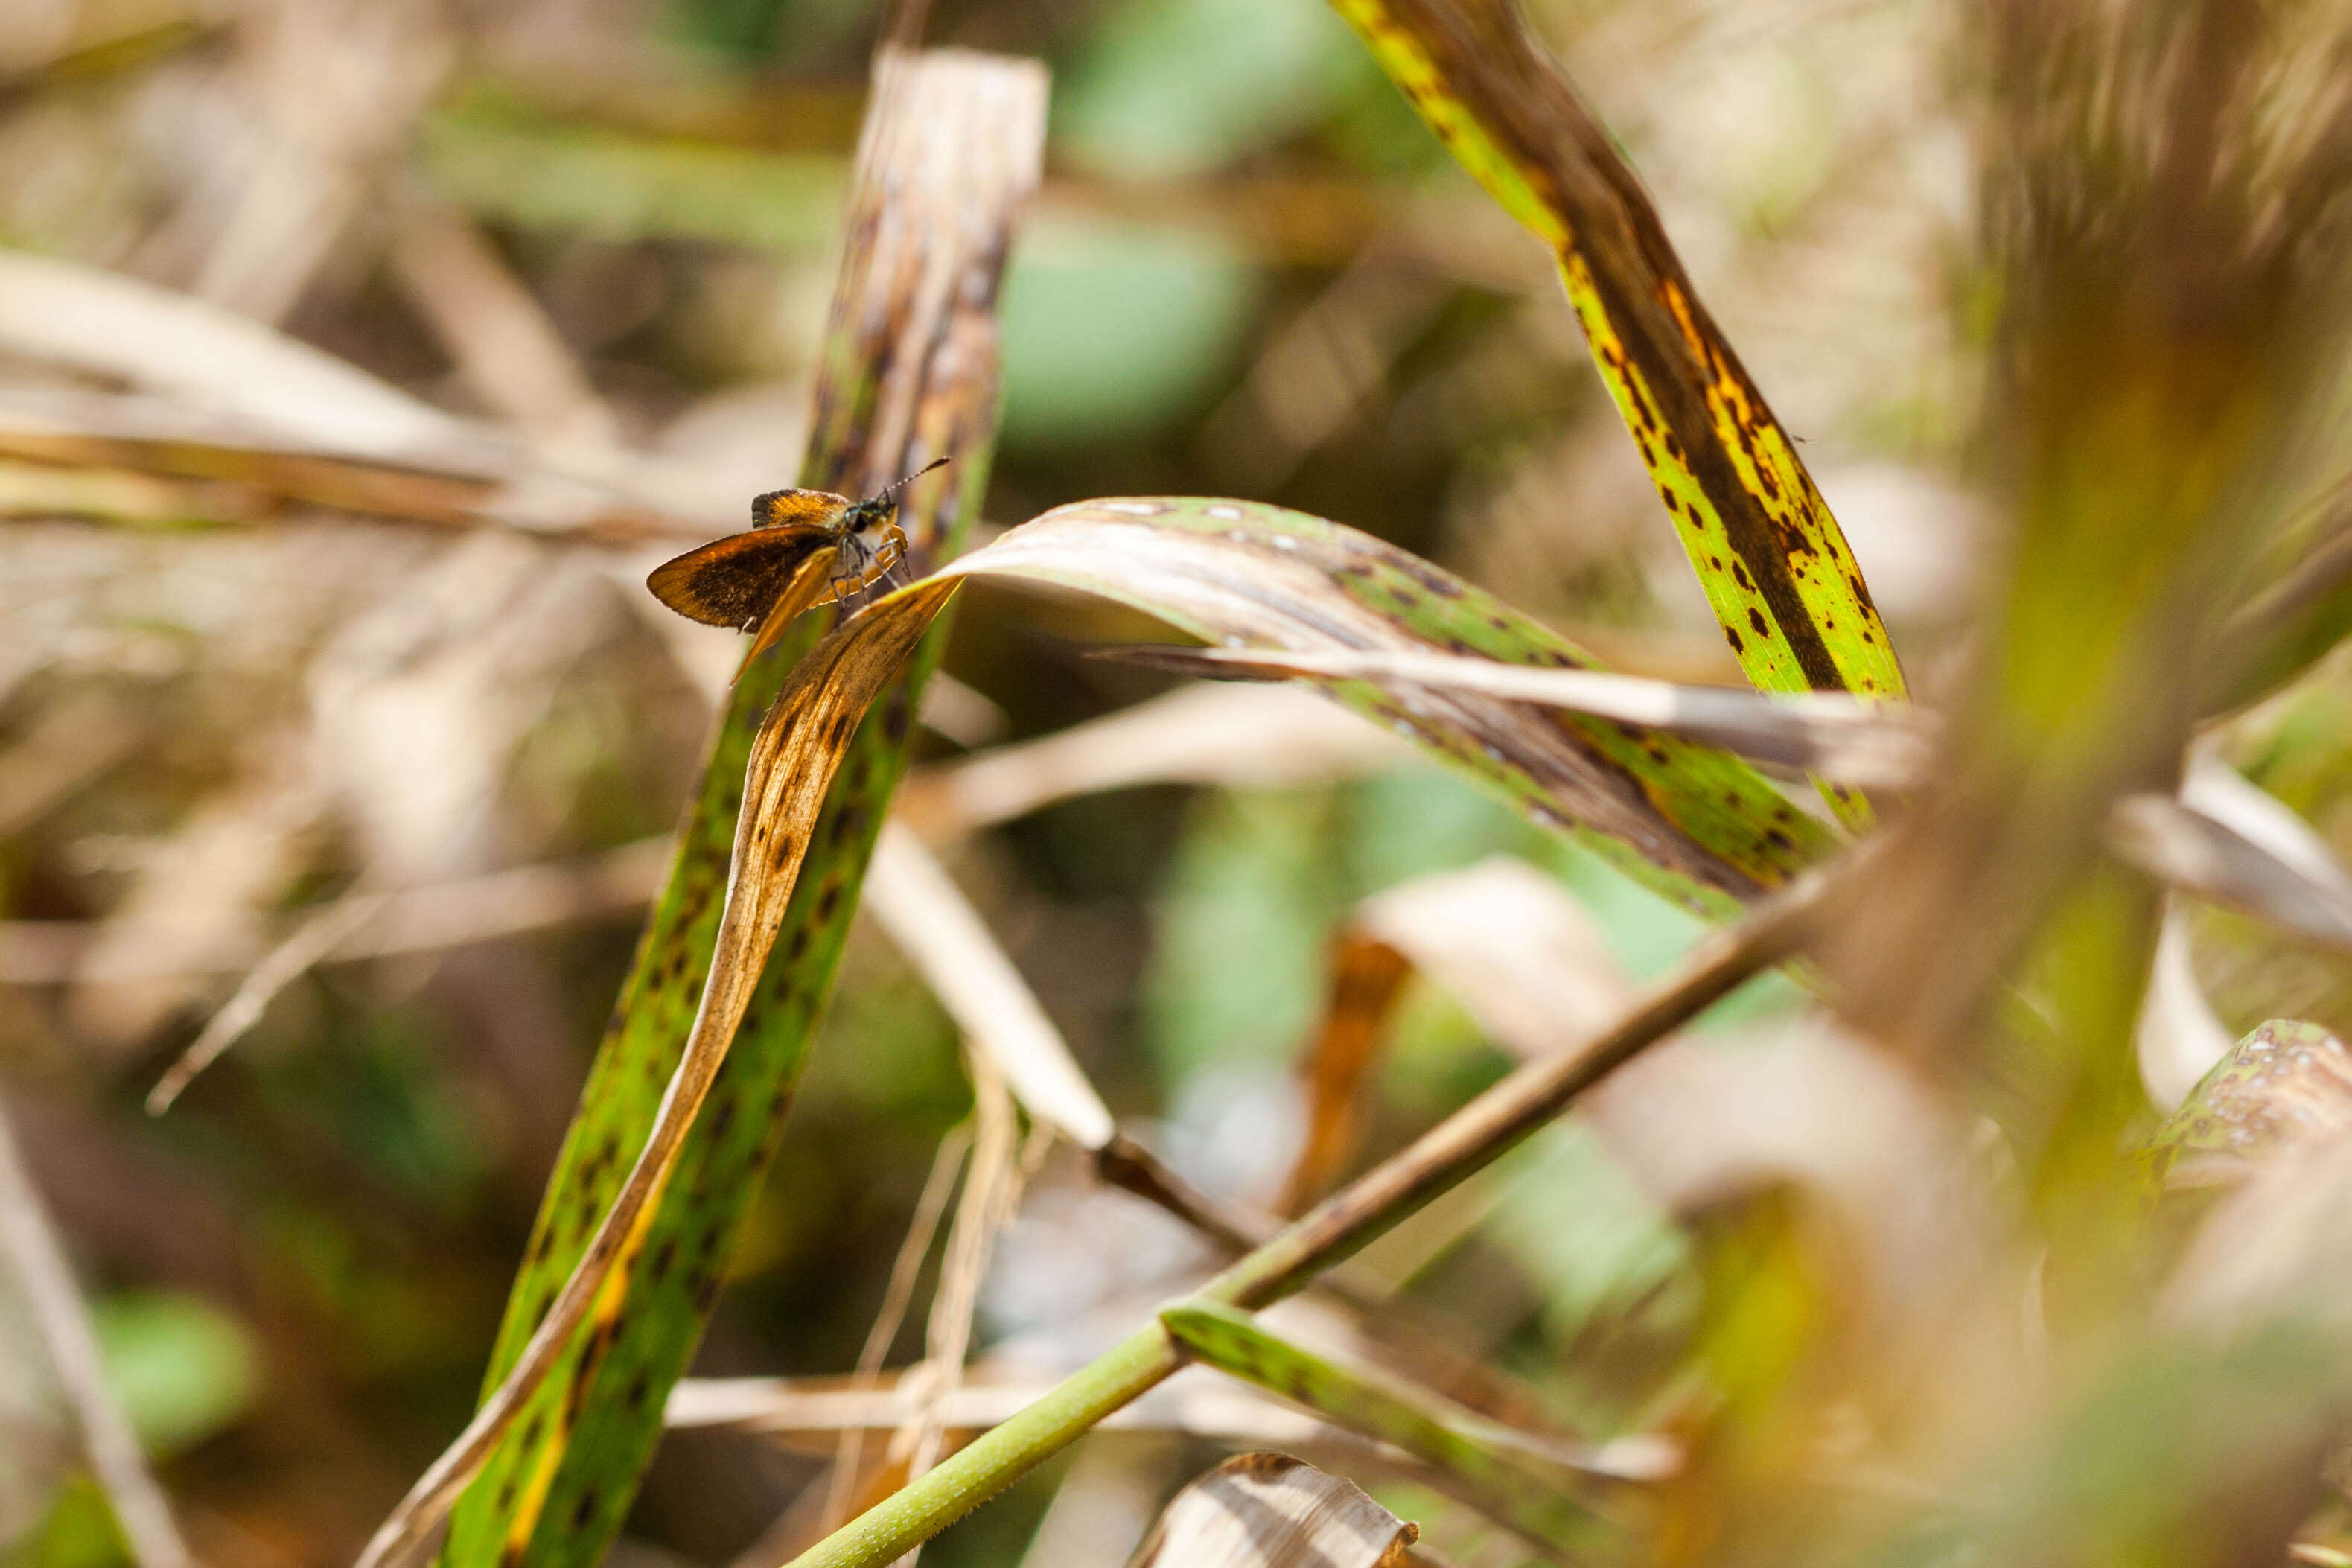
[1836, 736]
[2286, 1084]
[1515, 1477]
[1776, 567]
[1697, 825]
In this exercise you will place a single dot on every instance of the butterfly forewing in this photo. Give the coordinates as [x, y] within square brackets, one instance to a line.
[736, 581]
[731, 582]
[798, 509]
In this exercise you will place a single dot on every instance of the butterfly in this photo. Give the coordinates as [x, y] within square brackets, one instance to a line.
[740, 579]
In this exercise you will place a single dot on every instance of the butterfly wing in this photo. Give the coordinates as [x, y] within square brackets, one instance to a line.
[733, 581]
[798, 509]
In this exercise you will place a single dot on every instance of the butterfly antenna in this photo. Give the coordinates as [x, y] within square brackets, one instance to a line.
[893, 490]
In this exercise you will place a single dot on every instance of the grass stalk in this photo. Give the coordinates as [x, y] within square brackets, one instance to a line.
[1457, 1148]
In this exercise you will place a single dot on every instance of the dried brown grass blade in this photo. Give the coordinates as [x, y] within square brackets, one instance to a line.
[2193, 851]
[1838, 736]
[212, 357]
[428, 917]
[952, 947]
[312, 939]
[896, 1293]
[252, 479]
[992, 1190]
[29, 1251]
[1367, 978]
[1241, 736]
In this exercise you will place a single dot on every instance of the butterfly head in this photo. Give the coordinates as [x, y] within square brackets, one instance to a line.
[870, 516]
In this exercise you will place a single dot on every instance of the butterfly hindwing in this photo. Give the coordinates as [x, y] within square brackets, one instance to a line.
[731, 582]
[801, 509]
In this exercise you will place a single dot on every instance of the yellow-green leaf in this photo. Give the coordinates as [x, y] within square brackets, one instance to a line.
[1775, 565]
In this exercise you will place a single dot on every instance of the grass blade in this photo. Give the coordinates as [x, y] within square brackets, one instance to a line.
[1696, 824]
[1774, 564]
[2184, 847]
[1507, 1475]
[2286, 1084]
[910, 895]
[1826, 733]
[910, 366]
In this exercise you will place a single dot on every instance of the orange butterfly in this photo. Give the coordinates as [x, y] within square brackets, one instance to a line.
[736, 581]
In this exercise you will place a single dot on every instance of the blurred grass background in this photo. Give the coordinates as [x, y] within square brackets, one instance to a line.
[1251, 272]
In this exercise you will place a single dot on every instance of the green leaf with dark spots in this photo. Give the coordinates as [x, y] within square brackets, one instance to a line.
[1772, 560]
[1510, 1474]
[557, 1488]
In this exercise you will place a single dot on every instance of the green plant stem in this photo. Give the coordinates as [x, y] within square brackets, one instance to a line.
[1486, 1463]
[1001, 1456]
[1464, 1144]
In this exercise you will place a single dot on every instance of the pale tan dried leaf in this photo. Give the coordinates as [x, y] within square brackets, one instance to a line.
[31, 1256]
[2221, 793]
[2278, 1245]
[952, 947]
[1516, 951]
[1195, 1402]
[1270, 1510]
[2182, 846]
[1512, 946]
[103, 321]
[1238, 737]
[2178, 1037]
[1835, 735]
[506, 347]
[433, 917]
[1807, 1105]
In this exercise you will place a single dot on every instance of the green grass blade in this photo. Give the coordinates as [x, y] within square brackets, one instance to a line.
[1774, 562]
[1489, 1463]
[2287, 1081]
[1697, 824]
[556, 1491]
